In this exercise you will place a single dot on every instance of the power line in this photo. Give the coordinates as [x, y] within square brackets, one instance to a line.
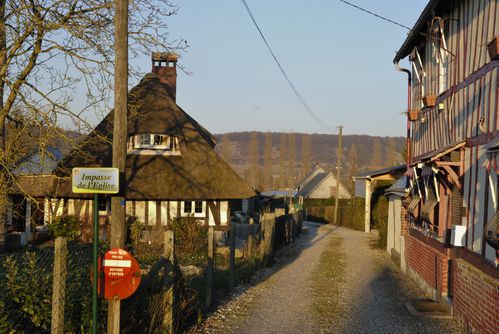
[374, 14]
[293, 88]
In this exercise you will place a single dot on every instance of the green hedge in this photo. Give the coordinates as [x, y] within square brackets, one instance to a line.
[380, 219]
[350, 212]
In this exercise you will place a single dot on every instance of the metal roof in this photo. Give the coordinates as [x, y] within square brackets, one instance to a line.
[388, 170]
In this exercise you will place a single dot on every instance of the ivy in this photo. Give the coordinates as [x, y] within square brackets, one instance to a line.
[66, 226]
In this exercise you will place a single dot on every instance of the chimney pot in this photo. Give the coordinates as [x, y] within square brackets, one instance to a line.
[164, 65]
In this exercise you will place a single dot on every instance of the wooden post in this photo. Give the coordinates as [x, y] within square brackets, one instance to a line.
[118, 229]
[251, 239]
[28, 220]
[169, 253]
[209, 267]
[338, 166]
[59, 284]
[232, 256]
[367, 210]
[169, 249]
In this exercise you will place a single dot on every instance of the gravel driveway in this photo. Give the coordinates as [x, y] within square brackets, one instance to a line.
[330, 281]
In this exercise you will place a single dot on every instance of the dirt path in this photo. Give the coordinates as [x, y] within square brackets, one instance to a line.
[330, 281]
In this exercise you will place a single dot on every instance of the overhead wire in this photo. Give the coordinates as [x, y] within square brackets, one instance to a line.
[374, 14]
[290, 83]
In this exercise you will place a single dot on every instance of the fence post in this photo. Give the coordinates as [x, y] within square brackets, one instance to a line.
[169, 254]
[59, 284]
[209, 267]
[169, 249]
[232, 256]
[249, 243]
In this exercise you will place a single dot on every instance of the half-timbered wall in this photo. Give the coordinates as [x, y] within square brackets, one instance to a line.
[478, 200]
[214, 213]
[471, 82]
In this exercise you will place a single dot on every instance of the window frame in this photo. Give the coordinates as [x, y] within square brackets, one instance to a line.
[100, 200]
[194, 205]
[167, 143]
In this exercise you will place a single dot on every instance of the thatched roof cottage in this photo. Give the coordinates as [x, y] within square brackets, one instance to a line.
[172, 169]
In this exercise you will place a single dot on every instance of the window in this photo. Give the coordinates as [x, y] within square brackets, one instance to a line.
[194, 208]
[440, 51]
[102, 204]
[161, 143]
[198, 207]
[187, 207]
[419, 73]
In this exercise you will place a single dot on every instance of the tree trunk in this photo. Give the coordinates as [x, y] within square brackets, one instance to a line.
[3, 134]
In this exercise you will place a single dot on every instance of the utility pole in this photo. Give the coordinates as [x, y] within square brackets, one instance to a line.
[118, 230]
[338, 166]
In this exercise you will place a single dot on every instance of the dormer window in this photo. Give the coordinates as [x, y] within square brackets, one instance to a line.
[153, 144]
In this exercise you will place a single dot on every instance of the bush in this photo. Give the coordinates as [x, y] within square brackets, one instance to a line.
[65, 226]
[190, 236]
[135, 230]
[351, 214]
[380, 218]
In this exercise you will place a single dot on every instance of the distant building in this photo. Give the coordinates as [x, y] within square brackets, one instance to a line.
[319, 184]
[366, 182]
[172, 169]
[38, 162]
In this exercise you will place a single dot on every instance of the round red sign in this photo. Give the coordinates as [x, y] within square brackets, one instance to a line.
[120, 279]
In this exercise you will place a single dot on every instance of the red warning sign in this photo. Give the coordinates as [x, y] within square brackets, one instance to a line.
[121, 274]
[117, 263]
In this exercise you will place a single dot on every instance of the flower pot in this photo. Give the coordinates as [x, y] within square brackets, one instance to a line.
[413, 115]
[493, 48]
[430, 101]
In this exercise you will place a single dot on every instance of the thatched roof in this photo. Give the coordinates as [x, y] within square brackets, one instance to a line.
[198, 173]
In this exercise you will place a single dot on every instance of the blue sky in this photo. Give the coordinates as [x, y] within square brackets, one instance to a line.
[339, 58]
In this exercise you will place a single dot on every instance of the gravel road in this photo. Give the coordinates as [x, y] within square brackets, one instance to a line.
[331, 280]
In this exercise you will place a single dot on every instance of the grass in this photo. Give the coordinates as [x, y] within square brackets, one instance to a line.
[328, 280]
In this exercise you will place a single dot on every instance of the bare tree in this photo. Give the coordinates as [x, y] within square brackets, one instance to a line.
[267, 159]
[54, 50]
[376, 153]
[353, 164]
[292, 158]
[226, 148]
[255, 159]
[283, 160]
[391, 152]
[305, 154]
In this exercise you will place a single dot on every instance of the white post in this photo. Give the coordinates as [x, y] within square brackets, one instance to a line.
[367, 217]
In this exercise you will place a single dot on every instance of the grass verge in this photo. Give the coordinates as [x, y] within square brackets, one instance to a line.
[328, 281]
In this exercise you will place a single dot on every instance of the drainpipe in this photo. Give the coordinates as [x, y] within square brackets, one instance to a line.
[408, 139]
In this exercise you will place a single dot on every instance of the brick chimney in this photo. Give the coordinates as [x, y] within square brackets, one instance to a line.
[164, 65]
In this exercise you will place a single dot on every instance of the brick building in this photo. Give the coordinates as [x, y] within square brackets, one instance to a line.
[450, 242]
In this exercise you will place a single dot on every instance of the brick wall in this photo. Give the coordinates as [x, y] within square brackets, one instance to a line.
[427, 266]
[403, 221]
[475, 298]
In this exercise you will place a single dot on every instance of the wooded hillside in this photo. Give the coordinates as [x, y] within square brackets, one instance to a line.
[278, 159]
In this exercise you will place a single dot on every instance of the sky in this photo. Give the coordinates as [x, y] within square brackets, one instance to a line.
[338, 58]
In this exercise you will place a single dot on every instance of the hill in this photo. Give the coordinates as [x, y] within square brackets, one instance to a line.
[278, 159]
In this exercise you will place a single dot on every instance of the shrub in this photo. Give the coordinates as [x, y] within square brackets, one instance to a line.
[354, 213]
[65, 226]
[190, 236]
[135, 228]
[380, 218]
